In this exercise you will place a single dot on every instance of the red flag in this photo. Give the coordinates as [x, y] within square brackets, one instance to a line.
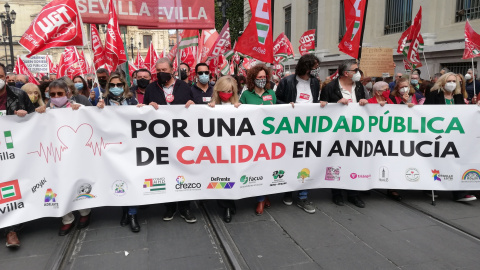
[334, 75]
[139, 62]
[131, 68]
[402, 42]
[172, 54]
[354, 17]
[68, 63]
[247, 63]
[187, 56]
[257, 41]
[278, 70]
[413, 39]
[82, 63]
[206, 42]
[21, 68]
[307, 42]
[51, 65]
[151, 57]
[57, 25]
[282, 48]
[222, 44]
[406, 65]
[472, 42]
[98, 51]
[162, 54]
[114, 50]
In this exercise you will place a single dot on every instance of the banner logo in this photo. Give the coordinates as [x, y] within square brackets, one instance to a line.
[277, 178]
[9, 191]
[154, 186]
[50, 24]
[220, 183]
[412, 175]
[262, 31]
[471, 176]
[182, 186]
[383, 174]
[303, 174]
[332, 174]
[39, 185]
[9, 145]
[250, 181]
[119, 188]
[50, 198]
[360, 176]
[84, 192]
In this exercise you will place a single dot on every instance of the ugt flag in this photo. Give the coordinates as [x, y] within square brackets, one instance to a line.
[114, 49]
[57, 25]
[257, 41]
[472, 42]
[415, 40]
[354, 17]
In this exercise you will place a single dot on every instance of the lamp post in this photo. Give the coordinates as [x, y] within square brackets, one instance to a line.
[7, 20]
[131, 45]
[223, 5]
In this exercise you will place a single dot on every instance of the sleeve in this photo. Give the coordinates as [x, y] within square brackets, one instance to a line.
[146, 97]
[280, 93]
[28, 103]
[274, 97]
[325, 94]
[243, 100]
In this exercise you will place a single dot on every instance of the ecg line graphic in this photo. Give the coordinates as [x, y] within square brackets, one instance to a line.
[56, 152]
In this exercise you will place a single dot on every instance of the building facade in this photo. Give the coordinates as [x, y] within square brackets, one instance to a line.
[27, 10]
[443, 23]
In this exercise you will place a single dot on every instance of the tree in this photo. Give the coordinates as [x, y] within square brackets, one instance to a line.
[234, 15]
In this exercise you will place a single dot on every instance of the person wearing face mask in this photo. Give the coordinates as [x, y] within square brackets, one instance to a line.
[169, 91]
[301, 87]
[276, 81]
[102, 75]
[81, 86]
[202, 91]
[379, 91]
[446, 91]
[367, 85]
[144, 78]
[34, 94]
[415, 82]
[11, 79]
[404, 93]
[213, 79]
[118, 94]
[13, 101]
[185, 73]
[259, 93]
[225, 92]
[472, 83]
[20, 80]
[345, 89]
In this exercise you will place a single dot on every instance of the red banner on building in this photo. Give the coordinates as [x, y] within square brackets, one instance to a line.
[165, 14]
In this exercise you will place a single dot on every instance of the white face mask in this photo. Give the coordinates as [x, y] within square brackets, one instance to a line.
[450, 86]
[2, 84]
[404, 90]
[356, 77]
[468, 77]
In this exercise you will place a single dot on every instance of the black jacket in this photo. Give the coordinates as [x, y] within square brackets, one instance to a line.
[18, 100]
[287, 89]
[181, 93]
[332, 94]
[437, 97]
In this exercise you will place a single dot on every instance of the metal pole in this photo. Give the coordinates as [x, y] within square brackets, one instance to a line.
[473, 71]
[224, 12]
[428, 70]
[5, 47]
[178, 53]
[8, 22]
[131, 47]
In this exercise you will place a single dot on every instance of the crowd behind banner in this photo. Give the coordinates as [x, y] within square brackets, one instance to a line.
[19, 96]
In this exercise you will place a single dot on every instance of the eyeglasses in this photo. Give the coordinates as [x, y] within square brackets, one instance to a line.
[355, 70]
[116, 84]
[56, 94]
[203, 72]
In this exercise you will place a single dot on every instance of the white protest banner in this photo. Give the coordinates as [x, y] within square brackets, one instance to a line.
[65, 160]
[36, 63]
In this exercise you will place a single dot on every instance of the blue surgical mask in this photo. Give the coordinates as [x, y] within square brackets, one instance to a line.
[19, 85]
[116, 91]
[203, 79]
[414, 82]
[47, 95]
[79, 86]
[135, 82]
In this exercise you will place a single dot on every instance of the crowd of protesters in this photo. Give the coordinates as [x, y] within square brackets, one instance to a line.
[259, 87]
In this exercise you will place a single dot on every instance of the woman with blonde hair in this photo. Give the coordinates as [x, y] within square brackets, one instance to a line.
[117, 92]
[447, 91]
[34, 94]
[463, 87]
[225, 92]
[403, 93]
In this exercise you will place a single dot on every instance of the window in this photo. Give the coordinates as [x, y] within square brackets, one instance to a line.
[288, 22]
[147, 39]
[459, 67]
[313, 17]
[343, 24]
[398, 16]
[467, 9]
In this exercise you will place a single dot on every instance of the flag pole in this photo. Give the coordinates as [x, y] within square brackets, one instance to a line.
[178, 53]
[428, 70]
[473, 71]
[89, 46]
[363, 31]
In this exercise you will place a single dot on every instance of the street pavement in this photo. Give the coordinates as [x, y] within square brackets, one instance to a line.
[386, 234]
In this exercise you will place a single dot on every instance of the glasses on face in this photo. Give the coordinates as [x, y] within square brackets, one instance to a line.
[354, 70]
[203, 73]
[56, 94]
[116, 84]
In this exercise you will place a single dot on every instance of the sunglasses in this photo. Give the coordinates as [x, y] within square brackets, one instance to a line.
[203, 72]
[355, 70]
[116, 85]
[57, 94]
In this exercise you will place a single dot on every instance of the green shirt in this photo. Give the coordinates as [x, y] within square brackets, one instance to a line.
[449, 101]
[250, 97]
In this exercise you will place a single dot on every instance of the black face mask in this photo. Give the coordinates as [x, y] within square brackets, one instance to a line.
[163, 77]
[11, 83]
[102, 83]
[183, 75]
[90, 83]
[143, 83]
